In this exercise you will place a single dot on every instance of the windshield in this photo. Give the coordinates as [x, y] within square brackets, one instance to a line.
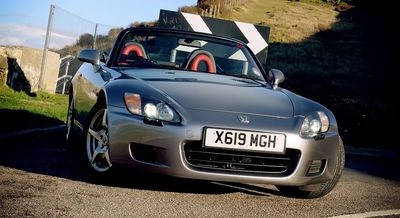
[187, 52]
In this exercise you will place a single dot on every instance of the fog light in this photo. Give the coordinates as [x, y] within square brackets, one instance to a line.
[316, 167]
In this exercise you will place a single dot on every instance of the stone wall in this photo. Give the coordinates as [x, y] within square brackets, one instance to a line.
[3, 68]
[20, 68]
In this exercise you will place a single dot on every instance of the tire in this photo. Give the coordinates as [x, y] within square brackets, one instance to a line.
[70, 136]
[321, 189]
[97, 146]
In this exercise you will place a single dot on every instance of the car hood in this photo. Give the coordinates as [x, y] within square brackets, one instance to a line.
[204, 91]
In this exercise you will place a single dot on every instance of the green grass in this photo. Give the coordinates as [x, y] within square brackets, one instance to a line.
[22, 111]
[290, 21]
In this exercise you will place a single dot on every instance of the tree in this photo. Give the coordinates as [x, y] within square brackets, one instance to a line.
[85, 40]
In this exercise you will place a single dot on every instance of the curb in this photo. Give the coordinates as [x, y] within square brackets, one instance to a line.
[349, 150]
[29, 131]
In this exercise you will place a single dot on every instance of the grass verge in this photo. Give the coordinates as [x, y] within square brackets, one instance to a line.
[21, 111]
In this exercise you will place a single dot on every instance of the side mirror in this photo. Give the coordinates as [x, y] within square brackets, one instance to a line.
[277, 75]
[90, 56]
[104, 57]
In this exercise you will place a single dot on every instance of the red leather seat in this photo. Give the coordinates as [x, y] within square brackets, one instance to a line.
[131, 47]
[198, 56]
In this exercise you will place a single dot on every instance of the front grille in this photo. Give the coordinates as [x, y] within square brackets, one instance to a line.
[241, 161]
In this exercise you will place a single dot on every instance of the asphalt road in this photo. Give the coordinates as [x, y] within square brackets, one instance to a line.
[41, 177]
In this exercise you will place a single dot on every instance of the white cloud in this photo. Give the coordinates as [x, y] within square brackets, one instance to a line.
[18, 34]
[59, 40]
[11, 41]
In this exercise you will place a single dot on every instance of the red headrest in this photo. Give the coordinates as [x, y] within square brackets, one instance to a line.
[128, 49]
[194, 64]
[133, 48]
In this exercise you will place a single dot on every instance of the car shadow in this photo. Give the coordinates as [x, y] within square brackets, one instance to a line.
[14, 118]
[48, 154]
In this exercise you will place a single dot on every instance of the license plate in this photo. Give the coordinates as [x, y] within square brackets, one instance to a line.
[245, 140]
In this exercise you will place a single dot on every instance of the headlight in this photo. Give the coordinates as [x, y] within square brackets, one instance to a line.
[150, 108]
[314, 124]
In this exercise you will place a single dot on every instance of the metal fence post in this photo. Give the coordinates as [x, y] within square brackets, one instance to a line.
[46, 47]
[95, 35]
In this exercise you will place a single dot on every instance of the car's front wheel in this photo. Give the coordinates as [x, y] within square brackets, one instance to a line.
[321, 189]
[70, 123]
[97, 142]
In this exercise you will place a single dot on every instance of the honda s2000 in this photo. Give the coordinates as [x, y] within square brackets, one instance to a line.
[200, 106]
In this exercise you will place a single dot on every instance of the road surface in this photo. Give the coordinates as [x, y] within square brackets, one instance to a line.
[40, 176]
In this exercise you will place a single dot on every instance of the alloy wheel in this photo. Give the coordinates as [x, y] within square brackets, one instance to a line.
[97, 143]
[69, 120]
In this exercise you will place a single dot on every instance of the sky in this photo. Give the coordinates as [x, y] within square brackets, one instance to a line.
[24, 22]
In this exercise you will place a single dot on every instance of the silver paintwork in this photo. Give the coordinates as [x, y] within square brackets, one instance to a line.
[202, 100]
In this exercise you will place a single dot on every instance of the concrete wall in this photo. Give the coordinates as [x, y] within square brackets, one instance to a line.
[51, 72]
[23, 68]
[3, 68]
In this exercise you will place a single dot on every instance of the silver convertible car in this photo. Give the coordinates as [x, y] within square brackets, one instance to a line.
[200, 106]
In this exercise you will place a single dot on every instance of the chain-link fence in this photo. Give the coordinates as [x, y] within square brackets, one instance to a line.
[67, 34]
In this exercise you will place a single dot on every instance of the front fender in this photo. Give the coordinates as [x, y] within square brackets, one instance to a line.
[116, 89]
[303, 106]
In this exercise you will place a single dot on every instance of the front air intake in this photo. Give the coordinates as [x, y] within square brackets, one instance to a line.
[243, 162]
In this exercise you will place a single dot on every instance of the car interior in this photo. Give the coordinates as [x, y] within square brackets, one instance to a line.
[186, 54]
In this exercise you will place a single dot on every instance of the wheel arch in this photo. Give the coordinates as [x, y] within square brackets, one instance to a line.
[100, 103]
[101, 99]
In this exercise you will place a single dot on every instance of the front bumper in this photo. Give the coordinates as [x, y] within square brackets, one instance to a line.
[161, 149]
